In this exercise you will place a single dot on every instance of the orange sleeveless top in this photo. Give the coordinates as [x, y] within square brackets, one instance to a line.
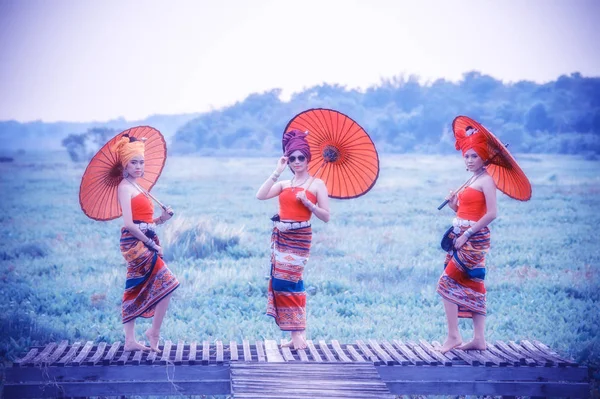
[290, 208]
[471, 204]
[142, 208]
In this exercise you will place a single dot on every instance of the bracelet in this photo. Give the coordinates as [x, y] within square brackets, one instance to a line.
[274, 177]
[312, 207]
[469, 232]
[149, 242]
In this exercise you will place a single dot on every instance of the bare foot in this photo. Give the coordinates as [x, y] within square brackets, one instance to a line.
[475, 344]
[153, 339]
[134, 346]
[288, 344]
[451, 343]
[298, 340]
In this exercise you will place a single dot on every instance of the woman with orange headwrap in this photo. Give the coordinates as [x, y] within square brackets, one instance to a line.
[149, 283]
[299, 199]
[461, 285]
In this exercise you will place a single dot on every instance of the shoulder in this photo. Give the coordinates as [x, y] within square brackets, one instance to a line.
[320, 184]
[487, 180]
[124, 189]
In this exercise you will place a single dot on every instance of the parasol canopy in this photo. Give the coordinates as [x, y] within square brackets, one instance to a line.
[341, 150]
[501, 166]
[99, 183]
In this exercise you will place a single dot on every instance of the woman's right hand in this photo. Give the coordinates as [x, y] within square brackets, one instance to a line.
[281, 164]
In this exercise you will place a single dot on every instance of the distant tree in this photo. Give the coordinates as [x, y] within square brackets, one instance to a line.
[537, 119]
[82, 147]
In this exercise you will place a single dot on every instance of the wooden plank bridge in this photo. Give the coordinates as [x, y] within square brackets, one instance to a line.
[262, 369]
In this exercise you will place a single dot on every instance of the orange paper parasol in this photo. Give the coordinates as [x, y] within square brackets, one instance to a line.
[98, 190]
[341, 150]
[501, 166]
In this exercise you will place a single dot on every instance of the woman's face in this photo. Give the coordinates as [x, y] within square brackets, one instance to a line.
[135, 167]
[297, 161]
[473, 161]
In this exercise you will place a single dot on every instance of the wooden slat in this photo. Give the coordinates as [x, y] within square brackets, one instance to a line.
[529, 360]
[111, 353]
[39, 359]
[151, 357]
[70, 354]
[286, 352]
[491, 357]
[137, 356]
[219, 357]
[82, 354]
[398, 358]
[205, 352]
[272, 352]
[97, 355]
[354, 353]
[550, 352]
[513, 361]
[416, 348]
[247, 353]
[192, 353]
[508, 350]
[383, 355]
[56, 353]
[233, 351]
[313, 351]
[260, 352]
[535, 351]
[179, 353]
[435, 354]
[302, 355]
[27, 358]
[340, 352]
[464, 355]
[326, 351]
[123, 358]
[408, 353]
[367, 352]
[449, 356]
[166, 353]
[538, 359]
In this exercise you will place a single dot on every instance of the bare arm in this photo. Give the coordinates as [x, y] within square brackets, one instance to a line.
[321, 208]
[270, 188]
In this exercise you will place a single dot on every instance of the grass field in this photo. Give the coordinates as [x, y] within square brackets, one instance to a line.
[373, 268]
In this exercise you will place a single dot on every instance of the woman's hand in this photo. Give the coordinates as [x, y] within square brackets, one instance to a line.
[452, 199]
[281, 164]
[460, 241]
[302, 197]
[166, 213]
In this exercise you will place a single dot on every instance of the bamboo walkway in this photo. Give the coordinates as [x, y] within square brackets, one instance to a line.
[262, 369]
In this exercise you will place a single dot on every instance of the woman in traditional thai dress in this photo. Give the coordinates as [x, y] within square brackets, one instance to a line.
[299, 199]
[462, 283]
[149, 282]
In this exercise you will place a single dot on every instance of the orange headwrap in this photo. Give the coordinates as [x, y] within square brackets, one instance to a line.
[127, 149]
[471, 138]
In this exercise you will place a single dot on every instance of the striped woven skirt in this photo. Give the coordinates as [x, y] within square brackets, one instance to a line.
[286, 298]
[149, 280]
[462, 282]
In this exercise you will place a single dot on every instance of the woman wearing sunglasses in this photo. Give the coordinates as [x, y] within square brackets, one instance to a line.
[299, 199]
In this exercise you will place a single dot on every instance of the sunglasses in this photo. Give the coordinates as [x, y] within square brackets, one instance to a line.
[301, 158]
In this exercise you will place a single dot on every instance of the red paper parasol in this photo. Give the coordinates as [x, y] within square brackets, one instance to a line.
[503, 168]
[341, 149]
[98, 190]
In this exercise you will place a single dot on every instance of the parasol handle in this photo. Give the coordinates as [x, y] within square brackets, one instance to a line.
[159, 203]
[151, 196]
[457, 190]
[312, 179]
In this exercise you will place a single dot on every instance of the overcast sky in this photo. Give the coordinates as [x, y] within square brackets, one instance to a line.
[84, 60]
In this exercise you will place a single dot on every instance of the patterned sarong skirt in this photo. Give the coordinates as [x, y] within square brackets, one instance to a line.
[149, 280]
[286, 297]
[462, 282]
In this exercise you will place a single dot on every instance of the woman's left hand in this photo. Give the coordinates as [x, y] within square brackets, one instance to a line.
[460, 241]
[166, 213]
[302, 197]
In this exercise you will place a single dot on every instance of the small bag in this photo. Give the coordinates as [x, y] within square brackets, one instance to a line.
[447, 243]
